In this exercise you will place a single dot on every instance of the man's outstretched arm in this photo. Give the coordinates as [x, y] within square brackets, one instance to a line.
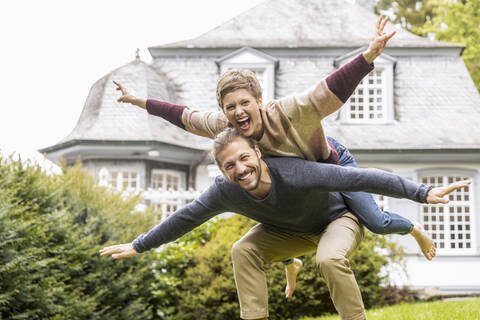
[176, 225]
[336, 178]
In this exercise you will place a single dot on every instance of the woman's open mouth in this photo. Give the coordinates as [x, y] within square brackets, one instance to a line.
[244, 123]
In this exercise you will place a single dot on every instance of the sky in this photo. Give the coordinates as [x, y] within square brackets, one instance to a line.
[52, 52]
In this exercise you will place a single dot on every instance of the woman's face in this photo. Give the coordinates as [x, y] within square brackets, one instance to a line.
[243, 112]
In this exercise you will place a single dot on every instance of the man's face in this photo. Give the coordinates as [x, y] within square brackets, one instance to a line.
[243, 111]
[240, 163]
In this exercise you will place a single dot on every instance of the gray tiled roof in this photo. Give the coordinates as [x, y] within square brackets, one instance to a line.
[437, 106]
[105, 119]
[302, 24]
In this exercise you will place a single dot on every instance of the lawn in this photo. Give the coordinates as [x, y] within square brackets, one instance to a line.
[468, 309]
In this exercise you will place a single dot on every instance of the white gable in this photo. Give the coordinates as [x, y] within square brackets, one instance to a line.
[262, 64]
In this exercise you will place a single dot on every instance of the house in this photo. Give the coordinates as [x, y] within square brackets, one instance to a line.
[415, 115]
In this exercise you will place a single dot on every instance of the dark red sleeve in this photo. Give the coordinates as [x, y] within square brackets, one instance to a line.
[168, 111]
[333, 157]
[344, 81]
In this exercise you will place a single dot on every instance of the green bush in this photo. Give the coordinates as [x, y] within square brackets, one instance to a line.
[51, 228]
[171, 263]
[208, 291]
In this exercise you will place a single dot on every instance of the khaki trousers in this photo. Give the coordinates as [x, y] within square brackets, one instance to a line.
[263, 245]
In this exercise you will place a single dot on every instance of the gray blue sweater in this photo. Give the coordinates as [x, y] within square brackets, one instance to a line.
[303, 200]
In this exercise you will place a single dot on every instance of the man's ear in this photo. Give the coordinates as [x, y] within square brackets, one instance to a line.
[259, 101]
[257, 151]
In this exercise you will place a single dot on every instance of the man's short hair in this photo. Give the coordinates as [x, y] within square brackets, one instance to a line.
[238, 79]
[224, 138]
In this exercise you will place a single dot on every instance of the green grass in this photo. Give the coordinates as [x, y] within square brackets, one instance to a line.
[468, 309]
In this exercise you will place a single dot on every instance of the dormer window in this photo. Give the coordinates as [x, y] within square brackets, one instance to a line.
[262, 64]
[372, 100]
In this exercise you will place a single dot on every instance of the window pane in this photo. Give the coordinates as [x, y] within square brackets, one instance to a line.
[166, 180]
[370, 89]
[449, 223]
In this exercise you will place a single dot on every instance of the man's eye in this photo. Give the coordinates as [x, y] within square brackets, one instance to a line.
[245, 103]
[230, 108]
[244, 157]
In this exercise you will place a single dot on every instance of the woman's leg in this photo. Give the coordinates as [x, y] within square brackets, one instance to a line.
[364, 206]
[371, 216]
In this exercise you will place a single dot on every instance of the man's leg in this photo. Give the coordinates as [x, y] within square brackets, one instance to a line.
[259, 247]
[338, 240]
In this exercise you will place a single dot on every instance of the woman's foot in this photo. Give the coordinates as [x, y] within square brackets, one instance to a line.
[427, 245]
[291, 271]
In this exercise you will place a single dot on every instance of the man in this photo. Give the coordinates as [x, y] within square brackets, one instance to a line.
[292, 127]
[294, 201]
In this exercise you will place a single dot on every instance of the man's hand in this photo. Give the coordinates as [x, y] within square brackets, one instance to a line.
[436, 195]
[379, 40]
[127, 97]
[119, 251]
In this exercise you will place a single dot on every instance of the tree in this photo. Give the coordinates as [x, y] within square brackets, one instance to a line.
[447, 20]
[410, 14]
[51, 228]
[458, 22]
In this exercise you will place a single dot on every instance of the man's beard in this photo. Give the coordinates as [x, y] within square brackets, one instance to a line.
[259, 177]
[259, 173]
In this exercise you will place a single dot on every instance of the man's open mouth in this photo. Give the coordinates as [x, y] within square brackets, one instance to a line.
[244, 123]
[245, 176]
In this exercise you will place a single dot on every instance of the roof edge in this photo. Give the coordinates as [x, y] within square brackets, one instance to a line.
[304, 51]
[75, 142]
[418, 150]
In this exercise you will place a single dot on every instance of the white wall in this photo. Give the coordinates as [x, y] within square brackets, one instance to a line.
[450, 273]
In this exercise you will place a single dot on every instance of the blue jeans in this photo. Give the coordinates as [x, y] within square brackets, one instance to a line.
[364, 207]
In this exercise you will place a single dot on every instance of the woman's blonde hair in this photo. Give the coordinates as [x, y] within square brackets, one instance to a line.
[238, 79]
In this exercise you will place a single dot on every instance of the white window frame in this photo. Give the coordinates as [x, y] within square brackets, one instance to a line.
[180, 176]
[256, 61]
[384, 64]
[446, 210]
[106, 176]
